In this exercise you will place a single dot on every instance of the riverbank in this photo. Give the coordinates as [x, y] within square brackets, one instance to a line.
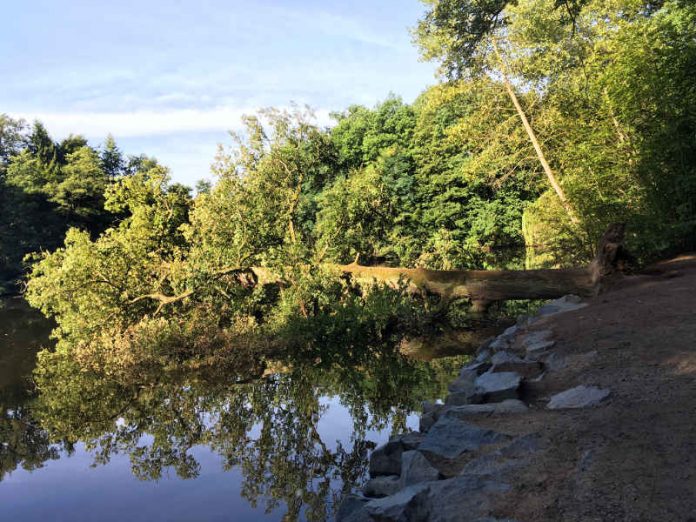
[587, 414]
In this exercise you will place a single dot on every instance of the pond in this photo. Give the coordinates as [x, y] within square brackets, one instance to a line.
[283, 446]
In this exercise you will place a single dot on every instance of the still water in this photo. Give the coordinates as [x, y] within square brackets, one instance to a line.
[284, 446]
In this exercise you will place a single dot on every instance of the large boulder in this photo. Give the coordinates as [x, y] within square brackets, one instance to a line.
[578, 397]
[415, 468]
[459, 499]
[495, 387]
[450, 442]
[352, 509]
[386, 460]
[466, 382]
[462, 498]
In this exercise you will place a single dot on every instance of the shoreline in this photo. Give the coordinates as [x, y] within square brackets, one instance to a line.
[521, 434]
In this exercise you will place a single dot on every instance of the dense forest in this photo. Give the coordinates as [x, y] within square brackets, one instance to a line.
[553, 119]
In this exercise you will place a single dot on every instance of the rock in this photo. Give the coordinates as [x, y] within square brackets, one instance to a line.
[465, 382]
[578, 397]
[463, 498]
[511, 331]
[405, 505]
[527, 369]
[427, 420]
[471, 396]
[536, 337]
[567, 303]
[415, 468]
[537, 348]
[537, 342]
[451, 437]
[484, 356]
[430, 406]
[500, 463]
[409, 441]
[386, 460]
[504, 356]
[352, 509]
[383, 486]
[495, 387]
[500, 343]
[508, 406]
[478, 367]
[467, 497]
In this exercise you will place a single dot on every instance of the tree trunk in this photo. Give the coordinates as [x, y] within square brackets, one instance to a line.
[535, 142]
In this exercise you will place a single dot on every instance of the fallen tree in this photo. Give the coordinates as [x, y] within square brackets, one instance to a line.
[482, 287]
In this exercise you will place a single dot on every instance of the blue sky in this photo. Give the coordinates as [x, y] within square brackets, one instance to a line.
[168, 78]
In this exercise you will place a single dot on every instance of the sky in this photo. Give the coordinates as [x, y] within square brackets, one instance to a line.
[170, 78]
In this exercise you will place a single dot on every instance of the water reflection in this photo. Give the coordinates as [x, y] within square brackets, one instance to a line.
[297, 439]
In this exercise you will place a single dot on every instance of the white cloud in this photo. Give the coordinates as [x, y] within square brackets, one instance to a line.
[145, 122]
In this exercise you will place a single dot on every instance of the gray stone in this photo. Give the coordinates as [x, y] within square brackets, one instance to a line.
[500, 343]
[537, 342]
[467, 497]
[477, 367]
[450, 437]
[429, 406]
[382, 486]
[415, 468]
[471, 396]
[427, 420]
[465, 382]
[567, 303]
[495, 408]
[495, 387]
[527, 369]
[504, 356]
[578, 397]
[352, 509]
[410, 440]
[484, 356]
[386, 460]
[541, 346]
[511, 331]
[536, 337]
[403, 506]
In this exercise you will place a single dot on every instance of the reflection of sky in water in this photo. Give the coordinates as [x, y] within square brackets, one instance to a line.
[199, 423]
[72, 489]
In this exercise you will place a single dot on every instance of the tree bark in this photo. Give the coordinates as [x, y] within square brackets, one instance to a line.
[482, 287]
[535, 142]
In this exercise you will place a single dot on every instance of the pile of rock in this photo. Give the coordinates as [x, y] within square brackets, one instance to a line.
[452, 469]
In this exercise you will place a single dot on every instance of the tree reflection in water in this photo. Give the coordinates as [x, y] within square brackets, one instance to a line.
[266, 427]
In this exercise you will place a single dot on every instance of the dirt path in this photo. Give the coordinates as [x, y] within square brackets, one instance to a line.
[634, 457]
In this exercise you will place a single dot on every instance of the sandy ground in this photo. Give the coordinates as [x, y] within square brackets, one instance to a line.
[634, 457]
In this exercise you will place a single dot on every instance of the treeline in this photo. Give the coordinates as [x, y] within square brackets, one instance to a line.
[47, 187]
[555, 119]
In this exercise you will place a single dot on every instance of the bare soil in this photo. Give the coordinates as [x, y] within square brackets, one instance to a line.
[633, 458]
